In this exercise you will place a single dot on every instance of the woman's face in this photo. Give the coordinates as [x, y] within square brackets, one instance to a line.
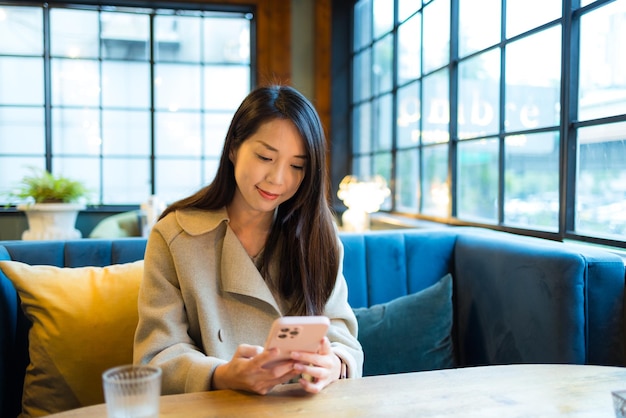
[269, 166]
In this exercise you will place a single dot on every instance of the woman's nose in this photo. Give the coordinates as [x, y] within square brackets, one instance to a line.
[276, 174]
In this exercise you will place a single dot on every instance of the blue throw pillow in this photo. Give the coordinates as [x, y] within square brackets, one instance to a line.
[409, 334]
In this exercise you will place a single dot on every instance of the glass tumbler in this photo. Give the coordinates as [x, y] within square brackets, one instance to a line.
[132, 391]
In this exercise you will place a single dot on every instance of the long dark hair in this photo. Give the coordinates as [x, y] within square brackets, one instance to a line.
[302, 233]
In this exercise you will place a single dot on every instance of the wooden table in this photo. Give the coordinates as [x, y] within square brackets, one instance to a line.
[492, 391]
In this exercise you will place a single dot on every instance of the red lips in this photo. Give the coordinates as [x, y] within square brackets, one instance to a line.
[267, 195]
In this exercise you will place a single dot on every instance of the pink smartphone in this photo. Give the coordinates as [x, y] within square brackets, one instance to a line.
[296, 333]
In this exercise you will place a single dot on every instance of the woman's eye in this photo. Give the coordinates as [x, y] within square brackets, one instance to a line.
[262, 158]
[298, 167]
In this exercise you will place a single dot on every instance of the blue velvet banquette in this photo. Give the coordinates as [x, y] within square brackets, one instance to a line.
[515, 299]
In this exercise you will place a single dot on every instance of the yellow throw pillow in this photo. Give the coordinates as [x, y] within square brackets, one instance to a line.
[84, 321]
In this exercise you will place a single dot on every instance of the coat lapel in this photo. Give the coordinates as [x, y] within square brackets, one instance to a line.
[240, 275]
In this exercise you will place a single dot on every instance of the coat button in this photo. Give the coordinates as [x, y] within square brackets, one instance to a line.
[219, 335]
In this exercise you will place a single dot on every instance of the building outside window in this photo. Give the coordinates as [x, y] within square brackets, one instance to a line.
[133, 101]
[508, 114]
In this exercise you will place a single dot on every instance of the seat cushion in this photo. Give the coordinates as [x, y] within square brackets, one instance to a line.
[410, 333]
[84, 321]
[125, 224]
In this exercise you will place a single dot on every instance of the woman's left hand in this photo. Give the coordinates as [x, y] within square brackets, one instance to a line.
[323, 367]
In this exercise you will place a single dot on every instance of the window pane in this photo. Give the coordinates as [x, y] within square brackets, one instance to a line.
[479, 95]
[76, 131]
[74, 33]
[87, 170]
[477, 187]
[126, 84]
[22, 131]
[210, 169]
[178, 38]
[383, 17]
[382, 167]
[361, 82]
[407, 123]
[436, 108]
[533, 77]
[186, 181]
[362, 128]
[602, 89]
[409, 45]
[362, 166]
[382, 123]
[126, 132]
[21, 30]
[216, 127]
[522, 15]
[12, 170]
[531, 191]
[435, 187]
[227, 40]
[383, 65]
[178, 134]
[125, 36]
[101, 86]
[407, 187]
[601, 181]
[21, 81]
[225, 86]
[125, 181]
[436, 34]
[75, 83]
[407, 7]
[176, 87]
[474, 37]
[362, 24]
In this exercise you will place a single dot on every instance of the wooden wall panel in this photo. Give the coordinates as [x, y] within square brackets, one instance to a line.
[274, 41]
[322, 60]
[322, 71]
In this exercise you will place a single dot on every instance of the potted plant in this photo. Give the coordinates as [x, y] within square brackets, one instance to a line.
[51, 204]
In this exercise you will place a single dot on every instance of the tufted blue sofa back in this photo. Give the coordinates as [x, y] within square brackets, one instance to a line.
[381, 265]
[516, 299]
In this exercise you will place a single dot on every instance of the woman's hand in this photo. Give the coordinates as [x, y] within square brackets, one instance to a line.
[245, 371]
[323, 367]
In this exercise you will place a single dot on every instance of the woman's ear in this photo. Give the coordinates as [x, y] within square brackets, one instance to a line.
[232, 155]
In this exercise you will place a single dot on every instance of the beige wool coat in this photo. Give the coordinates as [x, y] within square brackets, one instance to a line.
[201, 296]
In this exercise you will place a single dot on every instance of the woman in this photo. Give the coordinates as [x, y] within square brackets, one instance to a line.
[258, 243]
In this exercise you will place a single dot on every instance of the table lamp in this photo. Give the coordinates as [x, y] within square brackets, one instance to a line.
[361, 198]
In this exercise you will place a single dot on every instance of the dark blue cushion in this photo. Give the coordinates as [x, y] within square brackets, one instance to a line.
[519, 300]
[410, 333]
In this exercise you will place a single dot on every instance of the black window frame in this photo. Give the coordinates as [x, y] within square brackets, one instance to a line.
[151, 8]
[343, 26]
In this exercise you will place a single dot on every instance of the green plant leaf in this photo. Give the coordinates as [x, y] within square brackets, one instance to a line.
[43, 187]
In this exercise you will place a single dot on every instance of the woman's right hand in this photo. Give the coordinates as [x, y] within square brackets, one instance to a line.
[245, 371]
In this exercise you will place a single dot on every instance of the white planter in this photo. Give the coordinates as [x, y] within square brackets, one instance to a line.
[51, 221]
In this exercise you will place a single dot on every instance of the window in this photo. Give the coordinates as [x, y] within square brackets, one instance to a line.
[505, 114]
[133, 101]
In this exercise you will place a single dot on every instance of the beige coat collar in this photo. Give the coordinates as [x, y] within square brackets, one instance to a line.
[239, 274]
[197, 222]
